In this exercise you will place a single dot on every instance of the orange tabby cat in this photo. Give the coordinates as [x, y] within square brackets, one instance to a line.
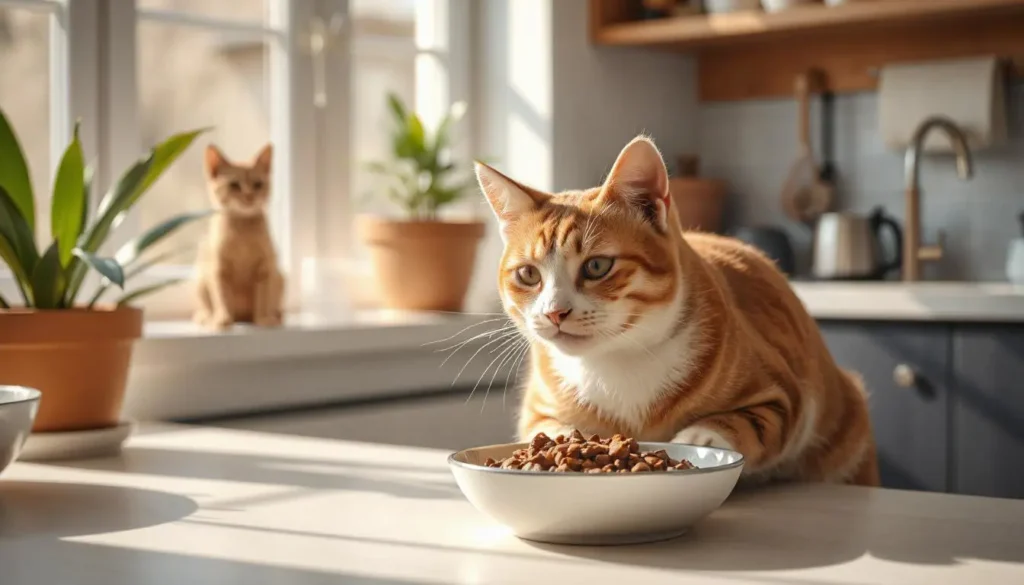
[640, 329]
[239, 281]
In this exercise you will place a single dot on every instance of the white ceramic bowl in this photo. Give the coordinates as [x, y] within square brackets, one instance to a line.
[577, 508]
[18, 407]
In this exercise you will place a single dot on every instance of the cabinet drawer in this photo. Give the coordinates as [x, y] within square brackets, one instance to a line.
[988, 411]
[906, 369]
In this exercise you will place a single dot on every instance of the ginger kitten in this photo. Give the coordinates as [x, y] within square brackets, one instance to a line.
[640, 329]
[239, 281]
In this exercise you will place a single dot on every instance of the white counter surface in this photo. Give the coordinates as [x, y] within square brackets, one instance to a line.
[921, 301]
[218, 506]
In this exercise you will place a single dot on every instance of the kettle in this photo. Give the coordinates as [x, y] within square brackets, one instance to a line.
[847, 246]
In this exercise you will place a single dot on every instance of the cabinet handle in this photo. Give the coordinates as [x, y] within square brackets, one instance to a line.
[904, 376]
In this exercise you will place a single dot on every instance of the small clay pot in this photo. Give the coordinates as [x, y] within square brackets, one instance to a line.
[77, 358]
[699, 202]
[421, 265]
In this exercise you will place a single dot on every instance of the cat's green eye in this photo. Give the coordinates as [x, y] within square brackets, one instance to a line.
[597, 267]
[528, 275]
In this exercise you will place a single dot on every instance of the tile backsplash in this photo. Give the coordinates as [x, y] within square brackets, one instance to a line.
[752, 145]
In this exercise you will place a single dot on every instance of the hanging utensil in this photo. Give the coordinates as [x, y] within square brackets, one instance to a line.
[805, 196]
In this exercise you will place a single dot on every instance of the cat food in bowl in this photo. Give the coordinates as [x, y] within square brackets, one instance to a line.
[521, 486]
[18, 407]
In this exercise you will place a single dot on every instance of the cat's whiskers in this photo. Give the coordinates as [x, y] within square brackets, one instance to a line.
[510, 353]
[502, 338]
[462, 344]
[516, 368]
[502, 349]
[465, 329]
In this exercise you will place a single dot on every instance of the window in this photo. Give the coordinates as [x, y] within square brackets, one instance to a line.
[136, 72]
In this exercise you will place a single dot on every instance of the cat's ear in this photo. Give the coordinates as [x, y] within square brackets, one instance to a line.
[264, 158]
[508, 198]
[214, 162]
[639, 179]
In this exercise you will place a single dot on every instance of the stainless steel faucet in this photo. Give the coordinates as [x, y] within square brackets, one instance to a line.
[913, 251]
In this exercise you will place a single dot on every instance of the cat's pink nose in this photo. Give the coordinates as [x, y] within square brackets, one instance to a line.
[558, 315]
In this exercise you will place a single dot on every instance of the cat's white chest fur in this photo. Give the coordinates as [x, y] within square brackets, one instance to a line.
[624, 385]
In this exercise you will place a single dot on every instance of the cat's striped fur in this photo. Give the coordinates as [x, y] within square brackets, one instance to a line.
[688, 337]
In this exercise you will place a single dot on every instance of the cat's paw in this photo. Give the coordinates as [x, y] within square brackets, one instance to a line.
[220, 321]
[271, 320]
[703, 437]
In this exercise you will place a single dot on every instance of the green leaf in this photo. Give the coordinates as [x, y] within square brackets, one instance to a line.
[48, 279]
[10, 258]
[68, 207]
[130, 251]
[147, 290]
[87, 176]
[108, 267]
[15, 229]
[131, 269]
[111, 209]
[164, 156]
[397, 109]
[14, 177]
[455, 113]
[119, 200]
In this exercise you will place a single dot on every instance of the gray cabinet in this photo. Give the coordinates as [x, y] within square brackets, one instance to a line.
[909, 419]
[988, 411]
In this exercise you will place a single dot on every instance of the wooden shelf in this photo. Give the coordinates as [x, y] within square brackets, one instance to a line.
[749, 55]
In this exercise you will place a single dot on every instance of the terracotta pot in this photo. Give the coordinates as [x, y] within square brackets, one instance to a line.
[698, 202]
[77, 358]
[421, 265]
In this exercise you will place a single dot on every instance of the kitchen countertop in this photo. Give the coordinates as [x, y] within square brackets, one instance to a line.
[202, 505]
[997, 302]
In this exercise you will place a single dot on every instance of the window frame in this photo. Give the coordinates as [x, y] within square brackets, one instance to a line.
[314, 212]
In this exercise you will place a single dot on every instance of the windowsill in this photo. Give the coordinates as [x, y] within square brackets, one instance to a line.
[182, 372]
[305, 335]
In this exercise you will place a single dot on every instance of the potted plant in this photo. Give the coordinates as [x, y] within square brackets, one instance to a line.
[74, 348]
[422, 262]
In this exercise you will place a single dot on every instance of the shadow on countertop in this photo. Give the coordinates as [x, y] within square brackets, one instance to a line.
[745, 536]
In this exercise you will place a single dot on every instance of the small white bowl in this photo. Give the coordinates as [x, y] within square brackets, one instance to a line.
[18, 407]
[595, 509]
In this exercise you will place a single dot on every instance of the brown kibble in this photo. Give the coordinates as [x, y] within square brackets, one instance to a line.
[618, 449]
[562, 454]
